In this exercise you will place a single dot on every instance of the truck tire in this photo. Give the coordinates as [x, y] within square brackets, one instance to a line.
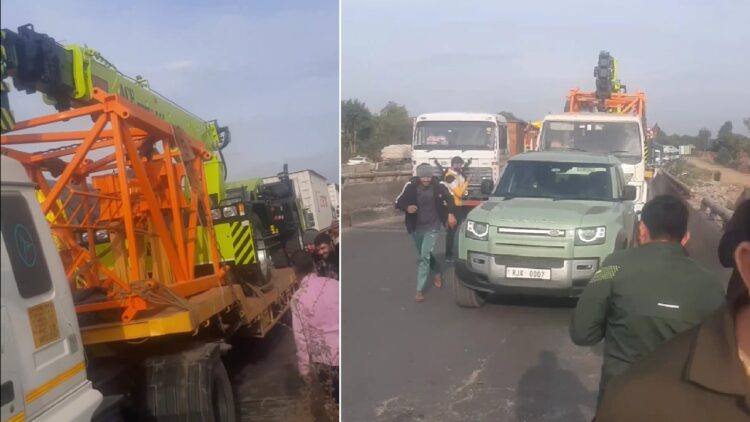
[464, 296]
[263, 258]
[192, 385]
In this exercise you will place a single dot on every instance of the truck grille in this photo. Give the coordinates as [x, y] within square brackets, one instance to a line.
[478, 173]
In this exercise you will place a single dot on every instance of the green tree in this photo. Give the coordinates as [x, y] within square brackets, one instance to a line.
[356, 126]
[392, 126]
[746, 121]
[724, 156]
[725, 131]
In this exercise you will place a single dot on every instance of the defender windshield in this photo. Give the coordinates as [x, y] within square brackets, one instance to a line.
[540, 179]
[455, 135]
[622, 139]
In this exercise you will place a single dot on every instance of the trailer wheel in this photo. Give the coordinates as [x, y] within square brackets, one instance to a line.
[191, 385]
[464, 296]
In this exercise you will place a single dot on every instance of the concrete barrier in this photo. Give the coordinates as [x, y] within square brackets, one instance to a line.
[682, 188]
[368, 199]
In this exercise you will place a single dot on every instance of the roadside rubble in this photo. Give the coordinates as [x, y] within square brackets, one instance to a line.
[702, 185]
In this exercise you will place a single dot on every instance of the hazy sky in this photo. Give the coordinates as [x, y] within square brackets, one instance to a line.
[266, 69]
[691, 57]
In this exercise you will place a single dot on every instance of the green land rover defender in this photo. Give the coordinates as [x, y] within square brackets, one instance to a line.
[550, 221]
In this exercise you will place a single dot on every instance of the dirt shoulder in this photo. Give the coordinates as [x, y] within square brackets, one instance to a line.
[728, 176]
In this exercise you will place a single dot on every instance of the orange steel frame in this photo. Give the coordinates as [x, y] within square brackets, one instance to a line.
[620, 103]
[137, 197]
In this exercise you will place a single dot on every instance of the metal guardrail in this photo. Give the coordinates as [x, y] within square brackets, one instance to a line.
[682, 187]
[373, 175]
[714, 209]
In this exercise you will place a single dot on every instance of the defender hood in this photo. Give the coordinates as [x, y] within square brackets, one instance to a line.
[543, 213]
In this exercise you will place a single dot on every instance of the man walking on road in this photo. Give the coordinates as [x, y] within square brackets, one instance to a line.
[428, 204]
[457, 183]
[704, 373]
[641, 297]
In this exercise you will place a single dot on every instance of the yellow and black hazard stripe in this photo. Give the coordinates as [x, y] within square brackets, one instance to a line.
[7, 122]
[242, 241]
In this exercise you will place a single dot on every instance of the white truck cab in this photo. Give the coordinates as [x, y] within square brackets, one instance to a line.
[620, 135]
[479, 137]
[43, 363]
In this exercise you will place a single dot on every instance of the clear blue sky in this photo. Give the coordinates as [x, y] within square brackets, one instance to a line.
[692, 57]
[266, 69]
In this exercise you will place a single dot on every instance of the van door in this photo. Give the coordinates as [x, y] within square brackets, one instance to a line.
[42, 351]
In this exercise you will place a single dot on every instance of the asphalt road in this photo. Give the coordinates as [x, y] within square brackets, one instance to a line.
[511, 360]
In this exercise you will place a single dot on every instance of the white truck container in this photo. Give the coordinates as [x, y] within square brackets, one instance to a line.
[333, 195]
[312, 192]
[396, 153]
[686, 149]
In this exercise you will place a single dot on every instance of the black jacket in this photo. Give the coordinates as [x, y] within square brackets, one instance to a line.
[443, 201]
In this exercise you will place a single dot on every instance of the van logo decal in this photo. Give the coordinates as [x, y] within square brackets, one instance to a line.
[25, 245]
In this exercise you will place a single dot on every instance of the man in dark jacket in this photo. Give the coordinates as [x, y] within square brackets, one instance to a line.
[328, 256]
[702, 374]
[642, 297]
[428, 204]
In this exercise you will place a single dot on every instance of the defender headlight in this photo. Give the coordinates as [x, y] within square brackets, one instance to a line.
[476, 230]
[215, 214]
[229, 211]
[100, 236]
[591, 236]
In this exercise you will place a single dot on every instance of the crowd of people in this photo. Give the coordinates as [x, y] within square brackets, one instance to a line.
[676, 347]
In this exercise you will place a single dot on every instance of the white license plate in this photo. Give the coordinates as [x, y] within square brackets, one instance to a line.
[531, 273]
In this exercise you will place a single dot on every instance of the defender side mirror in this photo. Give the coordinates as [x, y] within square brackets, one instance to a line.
[629, 193]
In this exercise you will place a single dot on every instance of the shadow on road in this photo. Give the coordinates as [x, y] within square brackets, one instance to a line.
[547, 392]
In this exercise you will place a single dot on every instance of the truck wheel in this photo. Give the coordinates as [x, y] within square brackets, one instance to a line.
[464, 296]
[191, 385]
[262, 257]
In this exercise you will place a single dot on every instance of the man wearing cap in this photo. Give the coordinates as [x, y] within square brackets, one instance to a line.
[458, 184]
[641, 297]
[428, 206]
[308, 240]
[702, 374]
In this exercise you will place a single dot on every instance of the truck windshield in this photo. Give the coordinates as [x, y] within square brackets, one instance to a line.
[540, 179]
[622, 139]
[455, 135]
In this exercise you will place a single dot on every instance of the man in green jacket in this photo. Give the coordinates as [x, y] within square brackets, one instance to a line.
[702, 374]
[641, 297]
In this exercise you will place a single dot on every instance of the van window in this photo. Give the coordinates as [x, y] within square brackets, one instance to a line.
[23, 246]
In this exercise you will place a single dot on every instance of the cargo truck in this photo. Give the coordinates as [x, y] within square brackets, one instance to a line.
[311, 189]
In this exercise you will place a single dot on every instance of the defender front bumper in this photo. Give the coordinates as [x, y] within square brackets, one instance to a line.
[485, 272]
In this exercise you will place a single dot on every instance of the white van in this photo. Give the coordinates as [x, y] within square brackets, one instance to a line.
[43, 363]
